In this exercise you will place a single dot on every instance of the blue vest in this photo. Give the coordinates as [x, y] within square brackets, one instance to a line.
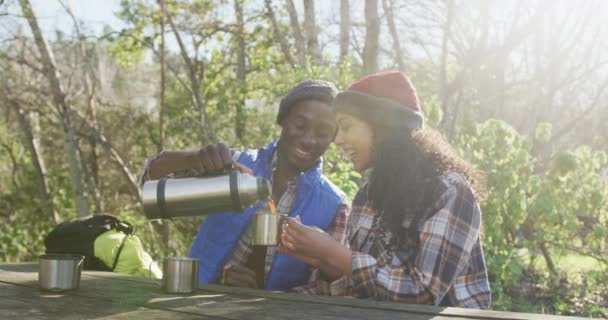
[317, 201]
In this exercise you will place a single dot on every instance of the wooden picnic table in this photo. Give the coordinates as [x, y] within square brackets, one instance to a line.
[107, 295]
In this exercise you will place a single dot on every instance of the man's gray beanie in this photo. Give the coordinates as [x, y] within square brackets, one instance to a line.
[307, 90]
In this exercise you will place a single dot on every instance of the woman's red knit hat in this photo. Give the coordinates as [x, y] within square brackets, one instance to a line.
[386, 99]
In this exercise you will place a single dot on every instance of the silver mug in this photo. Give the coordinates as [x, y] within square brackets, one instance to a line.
[59, 272]
[266, 228]
[180, 275]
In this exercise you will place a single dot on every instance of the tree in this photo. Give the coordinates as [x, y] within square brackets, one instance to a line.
[278, 34]
[310, 26]
[161, 114]
[345, 26]
[31, 142]
[241, 74]
[388, 7]
[48, 62]
[372, 34]
[91, 171]
[196, 72]
[297, 32]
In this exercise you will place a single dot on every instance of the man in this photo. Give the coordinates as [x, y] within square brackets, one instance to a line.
[293, 164]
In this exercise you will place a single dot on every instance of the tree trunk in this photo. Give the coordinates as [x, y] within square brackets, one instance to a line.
[240, 72]
[387, 6]
[162, 228]
[207, 135]
[88, 178]
[310, 26]
[90, 172]
[161, 128]
[443, 77]
[372, 32]
[297, 32]
[345, 25]
[548, 259]
[52, 76]
[277, 33]
[43, 187]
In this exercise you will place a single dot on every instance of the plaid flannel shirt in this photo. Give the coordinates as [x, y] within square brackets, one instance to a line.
[449, 263]
[243, 249]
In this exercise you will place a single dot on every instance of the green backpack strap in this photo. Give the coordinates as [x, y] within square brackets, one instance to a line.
[128, 229]
[122, 244]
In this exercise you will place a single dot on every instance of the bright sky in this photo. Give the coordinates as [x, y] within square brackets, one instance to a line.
[94, 13]
[51, 15]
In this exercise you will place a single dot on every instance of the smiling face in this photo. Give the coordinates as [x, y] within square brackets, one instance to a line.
[308, 129]
[355, 137]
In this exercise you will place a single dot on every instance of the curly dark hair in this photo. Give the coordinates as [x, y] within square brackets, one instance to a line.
[408, 166]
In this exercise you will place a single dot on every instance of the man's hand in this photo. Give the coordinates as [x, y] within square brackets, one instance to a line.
[235, 276]
[214, 158]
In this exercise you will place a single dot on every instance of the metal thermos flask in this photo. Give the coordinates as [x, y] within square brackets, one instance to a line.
[168, 197]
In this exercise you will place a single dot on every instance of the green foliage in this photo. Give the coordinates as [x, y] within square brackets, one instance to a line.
[563, 210]
[543, 132]
[23, 223]
[503, 155]
[339, 170]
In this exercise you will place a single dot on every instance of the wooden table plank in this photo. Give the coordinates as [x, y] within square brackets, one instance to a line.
[238, 303]
[18, 302]
[126, 292]
[366, 304]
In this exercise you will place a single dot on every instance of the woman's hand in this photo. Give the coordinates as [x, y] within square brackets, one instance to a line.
[305, 241]
[314, 247]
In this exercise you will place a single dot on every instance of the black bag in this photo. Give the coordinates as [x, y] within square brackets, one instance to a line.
[78, 237]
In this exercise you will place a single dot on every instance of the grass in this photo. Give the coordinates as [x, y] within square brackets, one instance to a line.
[566, 262]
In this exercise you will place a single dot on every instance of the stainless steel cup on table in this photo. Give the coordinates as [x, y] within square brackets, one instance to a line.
[59, 272]
[180, 275]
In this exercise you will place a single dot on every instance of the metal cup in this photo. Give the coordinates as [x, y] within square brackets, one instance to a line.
[180, 275]
[266, 228]
[59, 272]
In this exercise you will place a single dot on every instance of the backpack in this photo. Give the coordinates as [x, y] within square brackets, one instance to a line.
[78, 237]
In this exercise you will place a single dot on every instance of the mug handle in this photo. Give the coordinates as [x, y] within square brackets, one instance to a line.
[150, 273]
[282, 223]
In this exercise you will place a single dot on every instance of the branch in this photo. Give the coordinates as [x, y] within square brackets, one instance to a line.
[277, 33]
[599, 256]
[14, 166]
[157, 54]
[21, 61]
[101, 138]
[572, 123]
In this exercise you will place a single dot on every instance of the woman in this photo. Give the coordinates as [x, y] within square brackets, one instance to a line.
[414, 229]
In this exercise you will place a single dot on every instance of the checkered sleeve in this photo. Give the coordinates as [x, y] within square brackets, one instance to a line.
[446, 241]
[242, 251]
[317, 284]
